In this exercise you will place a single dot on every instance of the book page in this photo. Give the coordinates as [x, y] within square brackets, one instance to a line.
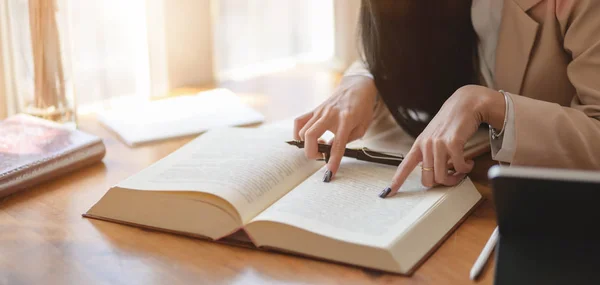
[248, 167]
[349, 207]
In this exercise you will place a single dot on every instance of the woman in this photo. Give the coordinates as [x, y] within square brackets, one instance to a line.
[530, 69]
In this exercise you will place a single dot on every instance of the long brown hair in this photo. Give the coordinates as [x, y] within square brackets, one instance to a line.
[419, 52]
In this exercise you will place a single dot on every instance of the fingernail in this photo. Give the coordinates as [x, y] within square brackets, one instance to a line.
[327, 176]
[385, 192]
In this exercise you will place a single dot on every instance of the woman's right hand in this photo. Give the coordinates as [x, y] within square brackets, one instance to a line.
[347, 113]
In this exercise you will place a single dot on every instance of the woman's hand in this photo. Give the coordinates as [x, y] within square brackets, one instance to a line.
[443, 140]
[347, 114]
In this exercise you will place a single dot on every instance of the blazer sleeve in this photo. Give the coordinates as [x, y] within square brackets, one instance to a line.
[551, 135]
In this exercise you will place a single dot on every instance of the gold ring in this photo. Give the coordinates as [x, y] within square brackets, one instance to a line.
[427, 168]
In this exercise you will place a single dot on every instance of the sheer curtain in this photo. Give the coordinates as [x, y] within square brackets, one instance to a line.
[260, 36]
[132, 48]
[110, 49]
[108, 52]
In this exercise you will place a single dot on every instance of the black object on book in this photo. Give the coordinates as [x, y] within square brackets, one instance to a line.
[364, 154]
[548, 221]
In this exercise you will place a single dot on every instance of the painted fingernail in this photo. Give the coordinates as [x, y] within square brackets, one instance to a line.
[327, 176]
[385, 192]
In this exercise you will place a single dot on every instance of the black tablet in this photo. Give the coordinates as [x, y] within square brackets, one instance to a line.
[549, 225]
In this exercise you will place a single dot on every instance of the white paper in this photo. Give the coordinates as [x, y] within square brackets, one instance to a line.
[179, 116]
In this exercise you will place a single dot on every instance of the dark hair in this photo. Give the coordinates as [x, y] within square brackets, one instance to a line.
[419, 53]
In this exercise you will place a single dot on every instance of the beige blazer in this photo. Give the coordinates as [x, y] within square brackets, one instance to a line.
[549, 52]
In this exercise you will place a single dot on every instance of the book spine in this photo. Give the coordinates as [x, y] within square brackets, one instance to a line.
[38, 173]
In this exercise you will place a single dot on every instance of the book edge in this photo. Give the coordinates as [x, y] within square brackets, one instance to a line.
[330, 261]
[441, 241]
[238, 243]
[156, 229]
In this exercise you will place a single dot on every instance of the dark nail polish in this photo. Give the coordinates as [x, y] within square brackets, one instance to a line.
[327, 176]
[385, 192]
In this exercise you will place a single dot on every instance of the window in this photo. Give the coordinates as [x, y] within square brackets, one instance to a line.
[108, 52]
[148, 47]
[259, 36]
[110, 49]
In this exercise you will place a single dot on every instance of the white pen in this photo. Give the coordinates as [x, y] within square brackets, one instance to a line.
[484, 255]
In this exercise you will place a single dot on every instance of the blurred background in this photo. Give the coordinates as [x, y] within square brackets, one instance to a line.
[140, 49]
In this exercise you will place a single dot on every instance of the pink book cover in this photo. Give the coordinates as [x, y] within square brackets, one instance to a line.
[33, 150]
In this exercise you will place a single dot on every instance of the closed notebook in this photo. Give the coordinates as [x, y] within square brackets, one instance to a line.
[33, 150]
[248, 187]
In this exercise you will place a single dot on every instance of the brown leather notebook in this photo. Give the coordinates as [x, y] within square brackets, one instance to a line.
[235, 179]
[33, 150]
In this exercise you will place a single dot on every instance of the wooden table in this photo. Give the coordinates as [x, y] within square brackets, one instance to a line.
[44, 239]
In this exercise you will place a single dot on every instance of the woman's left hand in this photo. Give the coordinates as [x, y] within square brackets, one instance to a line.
[443, 140]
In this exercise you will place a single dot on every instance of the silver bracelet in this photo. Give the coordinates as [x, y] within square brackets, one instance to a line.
[492, 130]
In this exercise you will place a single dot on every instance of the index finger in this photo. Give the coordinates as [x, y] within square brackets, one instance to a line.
[407, 165]
[338, 148]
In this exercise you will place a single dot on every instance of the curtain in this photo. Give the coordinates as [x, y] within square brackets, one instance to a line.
[108, 50]
[124, 48]
[257, 36]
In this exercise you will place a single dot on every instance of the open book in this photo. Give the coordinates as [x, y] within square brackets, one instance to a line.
[248, 180]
